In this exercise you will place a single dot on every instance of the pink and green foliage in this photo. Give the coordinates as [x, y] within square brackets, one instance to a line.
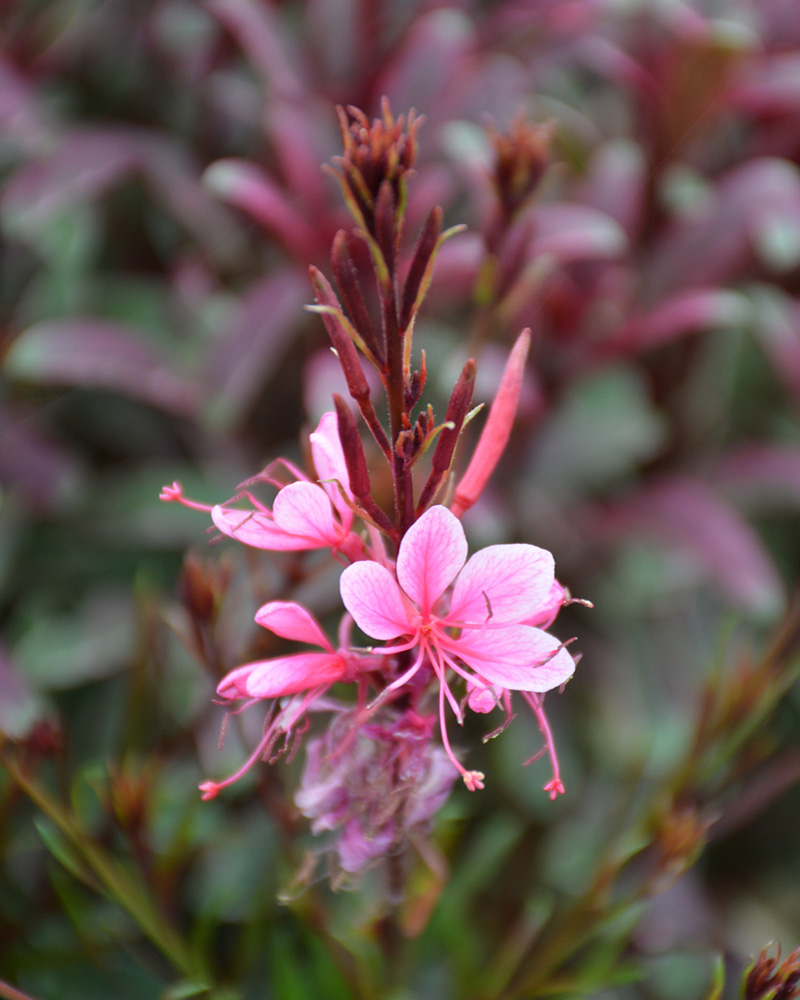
[618, 181]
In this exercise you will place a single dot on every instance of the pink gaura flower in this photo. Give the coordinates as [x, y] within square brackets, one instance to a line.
[301, 678]
[304, 515]
[479, 632]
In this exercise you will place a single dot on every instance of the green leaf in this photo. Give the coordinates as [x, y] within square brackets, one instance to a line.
[61, 850]
[603, 429]
[67, 650]
[185, 988]
[718, 980]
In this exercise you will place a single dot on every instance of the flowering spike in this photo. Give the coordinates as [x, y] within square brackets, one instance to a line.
[497, 430]
[373, 153]
[521, 157]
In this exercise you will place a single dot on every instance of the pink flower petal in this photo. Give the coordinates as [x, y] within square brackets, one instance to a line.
[292, 621]
[515, 657]
[326, 449]
[234, 684]
[329, 463]
[259, 530]
[290, 674]
[304, 509]
[503, 583]
[372, 597]
[431, 554]
[546, 612]
[497, 429]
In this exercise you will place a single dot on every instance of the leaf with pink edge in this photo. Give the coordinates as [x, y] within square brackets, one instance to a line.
[252, 345]
[576, 232]
[519, 658]
[98, 353]
[687, 516]
[304, 509]
[372, 597]
[431, 554]
[292, 621]
[290, 674]
[505, 583]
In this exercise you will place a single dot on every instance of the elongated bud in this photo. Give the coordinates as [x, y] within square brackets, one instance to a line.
[353, 449]
[356, 463]
[340, 336]
[346, 275]
[423, 254]
[457, 409]
[386, 223]
[497, 430]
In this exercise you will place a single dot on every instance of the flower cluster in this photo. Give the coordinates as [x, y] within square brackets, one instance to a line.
[441, 634]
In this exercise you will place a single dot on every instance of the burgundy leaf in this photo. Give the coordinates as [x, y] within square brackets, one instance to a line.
[683, 513]
[96, 353]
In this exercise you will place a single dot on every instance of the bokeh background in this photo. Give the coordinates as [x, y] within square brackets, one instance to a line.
[629, 173]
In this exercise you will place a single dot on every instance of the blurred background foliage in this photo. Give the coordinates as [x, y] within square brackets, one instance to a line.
[629, 172]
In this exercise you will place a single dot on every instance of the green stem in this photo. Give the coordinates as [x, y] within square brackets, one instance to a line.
[718, 741]
[127, 890]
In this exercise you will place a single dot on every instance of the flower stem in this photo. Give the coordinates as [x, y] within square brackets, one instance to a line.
[124, 887]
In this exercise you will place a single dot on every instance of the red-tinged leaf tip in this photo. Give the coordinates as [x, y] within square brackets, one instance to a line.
[496, 433]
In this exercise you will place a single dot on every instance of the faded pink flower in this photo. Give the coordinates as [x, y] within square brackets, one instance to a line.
[373, 790]
[479, 633]
[304, 515]
[306, 675]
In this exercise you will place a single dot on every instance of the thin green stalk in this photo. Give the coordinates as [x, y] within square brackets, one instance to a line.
[723, 732]
[129, 892]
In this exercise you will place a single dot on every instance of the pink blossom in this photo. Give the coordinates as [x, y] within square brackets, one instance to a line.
[547, 612]
[479, 633]
[375, 789]
[304, 515]
[306, 676]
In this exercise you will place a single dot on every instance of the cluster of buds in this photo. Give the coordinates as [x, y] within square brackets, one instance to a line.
[769, 978]
[435, 621]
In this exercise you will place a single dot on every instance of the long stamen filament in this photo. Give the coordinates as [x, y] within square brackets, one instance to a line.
[555, 786]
